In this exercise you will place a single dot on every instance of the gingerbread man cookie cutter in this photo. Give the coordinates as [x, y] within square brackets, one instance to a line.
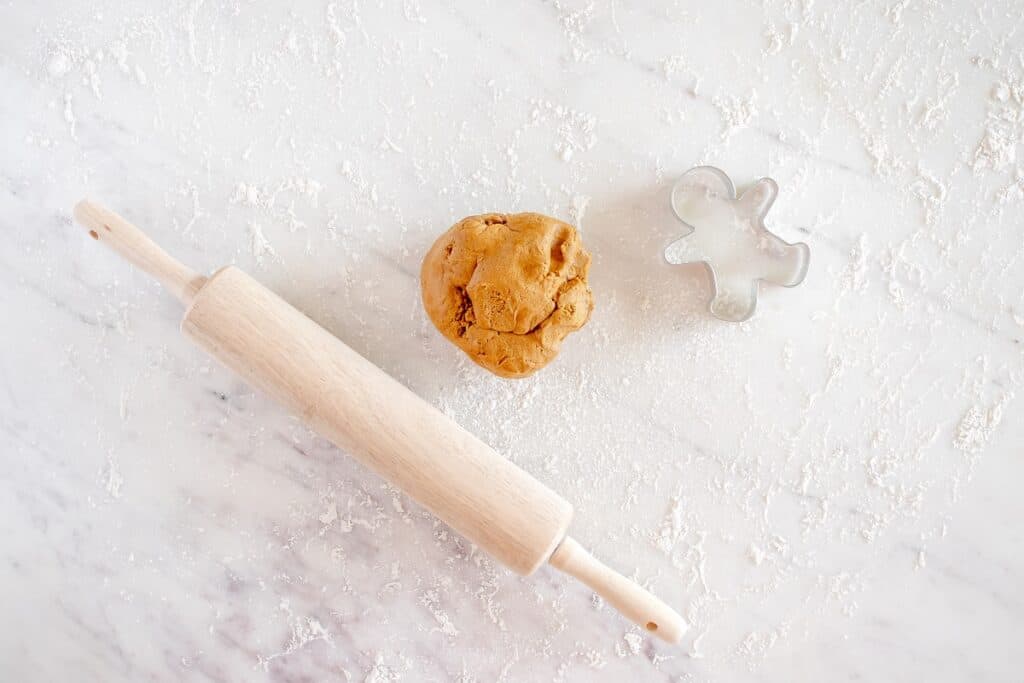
[727, 234]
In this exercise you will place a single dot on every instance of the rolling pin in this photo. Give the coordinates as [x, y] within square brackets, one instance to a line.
[364, 411]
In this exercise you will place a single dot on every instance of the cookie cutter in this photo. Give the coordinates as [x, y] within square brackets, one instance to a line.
[727, 234]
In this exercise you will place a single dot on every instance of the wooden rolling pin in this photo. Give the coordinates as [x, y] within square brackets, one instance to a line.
[388, 428]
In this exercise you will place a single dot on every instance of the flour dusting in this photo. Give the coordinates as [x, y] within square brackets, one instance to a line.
[777, 480]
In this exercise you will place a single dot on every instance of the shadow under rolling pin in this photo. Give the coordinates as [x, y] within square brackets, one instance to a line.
[360, 408]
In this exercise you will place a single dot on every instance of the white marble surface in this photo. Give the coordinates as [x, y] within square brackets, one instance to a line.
[829, 491]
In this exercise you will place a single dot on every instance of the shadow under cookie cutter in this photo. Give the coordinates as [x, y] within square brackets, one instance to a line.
[729, 237]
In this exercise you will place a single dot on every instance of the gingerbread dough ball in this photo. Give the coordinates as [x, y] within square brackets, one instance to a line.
[508, 288]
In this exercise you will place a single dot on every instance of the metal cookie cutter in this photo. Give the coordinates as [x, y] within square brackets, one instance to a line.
[728, 236]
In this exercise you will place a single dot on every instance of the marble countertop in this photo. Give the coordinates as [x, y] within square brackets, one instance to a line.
[828, 491]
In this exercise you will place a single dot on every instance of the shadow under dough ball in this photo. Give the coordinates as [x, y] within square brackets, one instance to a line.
[508, 288]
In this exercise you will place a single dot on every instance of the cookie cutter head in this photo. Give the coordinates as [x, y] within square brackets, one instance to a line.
[727, 234]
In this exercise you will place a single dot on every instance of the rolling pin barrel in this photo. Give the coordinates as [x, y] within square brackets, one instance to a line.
[274, 347]
[391, 430]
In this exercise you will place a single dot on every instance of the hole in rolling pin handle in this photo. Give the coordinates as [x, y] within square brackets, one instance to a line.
[93, 234]
[651, 626]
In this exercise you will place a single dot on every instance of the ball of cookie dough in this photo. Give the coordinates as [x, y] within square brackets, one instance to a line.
[508, 288]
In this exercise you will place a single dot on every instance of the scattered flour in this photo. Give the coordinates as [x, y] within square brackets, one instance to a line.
[737, 112]
[112, 478]
[578, 210]
[261, 249]
[833, 450]
[634, 641]
[1004, 127]
[978, 425]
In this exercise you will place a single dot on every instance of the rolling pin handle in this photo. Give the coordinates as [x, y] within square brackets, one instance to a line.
[635, 603]
[132, 244]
